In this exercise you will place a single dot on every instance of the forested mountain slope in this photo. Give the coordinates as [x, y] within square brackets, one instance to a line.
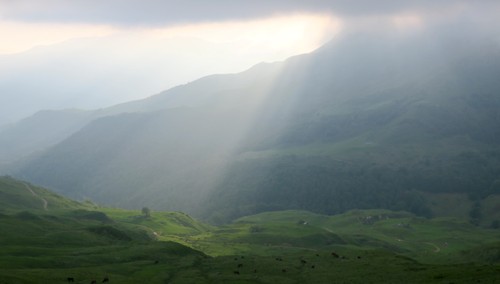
[373, 120]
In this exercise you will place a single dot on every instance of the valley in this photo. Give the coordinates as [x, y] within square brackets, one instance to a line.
[87, 242]
[258, 142]
[324, 132]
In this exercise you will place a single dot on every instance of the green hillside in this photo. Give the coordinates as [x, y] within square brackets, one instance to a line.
[18, 196]
[86, 242]
[439, 240]
[80, 241]
[345, 127]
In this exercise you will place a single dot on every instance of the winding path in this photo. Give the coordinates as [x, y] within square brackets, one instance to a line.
[436, 248]
[45, 203]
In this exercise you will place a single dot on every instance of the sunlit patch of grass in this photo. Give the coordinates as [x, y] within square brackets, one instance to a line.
[274, 247]
[89, 243]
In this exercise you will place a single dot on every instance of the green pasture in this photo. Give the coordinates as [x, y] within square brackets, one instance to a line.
[76, 240]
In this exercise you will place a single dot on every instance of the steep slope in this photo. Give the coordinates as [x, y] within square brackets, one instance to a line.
[210, 90]
[44, 129]
[375, 133]
[145, 155]
[367, 121]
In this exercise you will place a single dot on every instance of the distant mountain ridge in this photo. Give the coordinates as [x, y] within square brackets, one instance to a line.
[367, 121]
[47, 128]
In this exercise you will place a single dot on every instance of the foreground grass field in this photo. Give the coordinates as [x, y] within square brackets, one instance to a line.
[66, 241]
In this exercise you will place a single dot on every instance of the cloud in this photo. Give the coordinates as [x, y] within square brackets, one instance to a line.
[91, 44]
[160, 13]
[98, 71]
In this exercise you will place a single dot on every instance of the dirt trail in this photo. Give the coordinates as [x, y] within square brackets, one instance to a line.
[436, 248]
[45, 203]
[328, 230]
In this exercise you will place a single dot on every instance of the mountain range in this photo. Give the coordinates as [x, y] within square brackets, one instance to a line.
[380, 120]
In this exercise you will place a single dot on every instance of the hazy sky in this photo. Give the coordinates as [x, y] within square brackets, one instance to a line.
[90, 54]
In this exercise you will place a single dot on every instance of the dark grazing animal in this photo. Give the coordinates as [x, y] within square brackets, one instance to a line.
[335, 255]
[70, 279]
[106, 279]
[236, 272]
[283, 270]
[303, 261]
[240, 265]
[93, 282]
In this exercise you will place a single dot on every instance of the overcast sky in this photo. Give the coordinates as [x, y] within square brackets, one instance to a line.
[89, 54]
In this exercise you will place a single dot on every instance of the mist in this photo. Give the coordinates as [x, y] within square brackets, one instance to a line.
[123, 64]
[246, 137]
[249, 141]
[87, 57]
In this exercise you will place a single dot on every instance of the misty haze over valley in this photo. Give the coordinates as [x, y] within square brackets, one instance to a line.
[367, 125]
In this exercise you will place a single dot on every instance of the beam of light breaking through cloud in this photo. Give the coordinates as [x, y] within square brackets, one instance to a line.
[93, 66]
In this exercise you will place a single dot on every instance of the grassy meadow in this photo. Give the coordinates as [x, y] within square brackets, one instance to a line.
[67, 240]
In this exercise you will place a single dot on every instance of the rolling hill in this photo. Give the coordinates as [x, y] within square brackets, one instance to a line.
[83, 242]
[67, 239]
